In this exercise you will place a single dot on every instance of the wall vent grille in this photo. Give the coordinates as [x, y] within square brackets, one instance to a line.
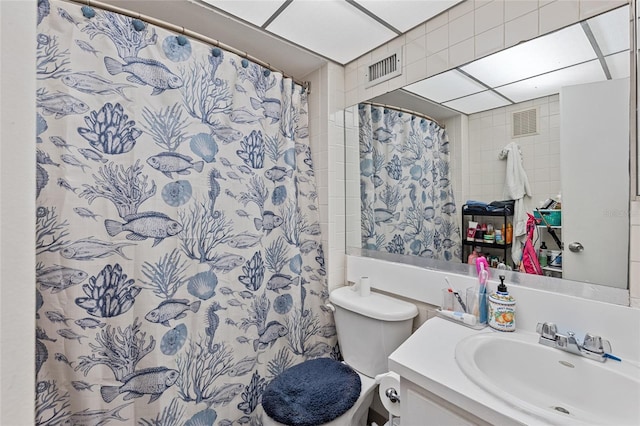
[384, 69]
[524, 123]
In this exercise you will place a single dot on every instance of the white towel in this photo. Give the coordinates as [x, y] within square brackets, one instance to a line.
[516, 187]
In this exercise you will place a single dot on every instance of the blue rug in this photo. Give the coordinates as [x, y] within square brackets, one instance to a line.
[312, 393]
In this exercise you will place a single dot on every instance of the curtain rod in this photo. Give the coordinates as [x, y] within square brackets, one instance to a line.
[408, 111]
[184, 31]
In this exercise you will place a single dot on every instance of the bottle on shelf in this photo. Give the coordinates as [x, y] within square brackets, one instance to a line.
[488, 236]
[471, 260]
[542, 254]
[501, 235]
[479, 236]
[509, 233]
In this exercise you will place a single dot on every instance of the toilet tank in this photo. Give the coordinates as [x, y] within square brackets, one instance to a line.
[370, 328]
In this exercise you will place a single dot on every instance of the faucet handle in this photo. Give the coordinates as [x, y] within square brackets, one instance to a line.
[596, 344]
[547, 330]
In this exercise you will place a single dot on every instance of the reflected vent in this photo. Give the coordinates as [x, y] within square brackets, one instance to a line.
[524, 123]
[385, 69]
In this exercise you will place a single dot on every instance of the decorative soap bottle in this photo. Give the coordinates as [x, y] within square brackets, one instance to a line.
[502, 309]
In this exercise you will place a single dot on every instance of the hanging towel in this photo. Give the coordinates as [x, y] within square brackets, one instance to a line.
[516, 187]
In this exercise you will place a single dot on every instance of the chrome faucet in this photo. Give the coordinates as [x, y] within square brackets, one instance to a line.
[593, 347]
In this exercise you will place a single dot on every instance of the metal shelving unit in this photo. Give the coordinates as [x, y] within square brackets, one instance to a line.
[467, 246]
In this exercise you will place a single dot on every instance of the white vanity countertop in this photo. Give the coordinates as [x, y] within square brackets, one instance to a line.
[427, 359]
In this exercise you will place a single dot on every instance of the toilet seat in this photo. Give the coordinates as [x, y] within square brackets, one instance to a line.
[355, 416]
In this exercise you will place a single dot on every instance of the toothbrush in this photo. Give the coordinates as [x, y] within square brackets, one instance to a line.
[482, 267]
[456, 294]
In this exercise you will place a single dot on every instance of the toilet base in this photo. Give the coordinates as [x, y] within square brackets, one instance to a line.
[355, 416]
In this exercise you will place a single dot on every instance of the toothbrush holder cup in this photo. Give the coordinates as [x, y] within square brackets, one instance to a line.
[477, 304]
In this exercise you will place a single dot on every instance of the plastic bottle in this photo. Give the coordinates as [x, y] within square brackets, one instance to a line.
[503, 235]
[542, 254]
[471, 260]
[502, 309]
[509, 234]
[489, 237]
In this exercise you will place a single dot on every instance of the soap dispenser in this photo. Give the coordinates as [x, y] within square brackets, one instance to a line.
[502, 309]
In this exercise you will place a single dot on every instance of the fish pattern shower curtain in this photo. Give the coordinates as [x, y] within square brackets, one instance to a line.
[179, 263]
[407, 202]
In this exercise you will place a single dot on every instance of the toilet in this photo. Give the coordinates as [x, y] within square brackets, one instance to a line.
[369, 329]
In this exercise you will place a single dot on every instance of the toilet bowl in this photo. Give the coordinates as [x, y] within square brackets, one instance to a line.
[369, 329]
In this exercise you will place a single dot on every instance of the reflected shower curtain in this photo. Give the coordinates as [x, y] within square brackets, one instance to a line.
[179, 264]
[407, 203]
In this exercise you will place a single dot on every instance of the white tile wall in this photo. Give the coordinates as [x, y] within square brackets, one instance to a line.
[489, 16]
[522, 28]
[326, 130]
[461, 53]
[438, 39]
[490, 41]
[559, 14]
[490, 131]
[514, 9]
[461, 28]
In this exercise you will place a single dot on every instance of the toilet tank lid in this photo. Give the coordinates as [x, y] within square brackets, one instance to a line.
[376, 305]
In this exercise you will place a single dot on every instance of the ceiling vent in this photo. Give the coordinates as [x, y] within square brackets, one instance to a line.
[524, 123]
[384, 69]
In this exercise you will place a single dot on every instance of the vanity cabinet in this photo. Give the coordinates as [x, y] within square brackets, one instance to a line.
[497, 219]
[423, 408]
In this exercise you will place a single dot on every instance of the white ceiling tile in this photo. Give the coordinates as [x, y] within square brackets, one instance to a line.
[611, 30]
[479, 102]
[618, 64]
[548, 84]
[551, 52]
[331, 28]
[254, 11]
[406, 14]
[445, 87]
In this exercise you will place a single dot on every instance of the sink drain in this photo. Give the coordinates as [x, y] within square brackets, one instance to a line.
[562, 410]
[567, 364]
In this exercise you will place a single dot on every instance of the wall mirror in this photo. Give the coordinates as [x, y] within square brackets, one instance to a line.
[560, 77]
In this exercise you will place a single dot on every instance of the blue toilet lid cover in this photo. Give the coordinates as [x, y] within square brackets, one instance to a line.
[312, 393]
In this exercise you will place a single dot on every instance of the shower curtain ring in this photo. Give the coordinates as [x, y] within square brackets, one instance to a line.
[138, 25]
[88, 12]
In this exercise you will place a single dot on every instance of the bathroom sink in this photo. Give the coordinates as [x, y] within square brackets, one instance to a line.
[555, 386]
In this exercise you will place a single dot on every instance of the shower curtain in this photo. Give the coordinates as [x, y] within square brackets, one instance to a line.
[179, 263]
[407, 203]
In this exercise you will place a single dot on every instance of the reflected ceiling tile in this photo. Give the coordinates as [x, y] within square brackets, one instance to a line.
[406, 14]
[446, 86]
[551, 52]
[333, 28]
[611, 30]
[619, 65]
[551, 83]
[479, 102]
[256, 12]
